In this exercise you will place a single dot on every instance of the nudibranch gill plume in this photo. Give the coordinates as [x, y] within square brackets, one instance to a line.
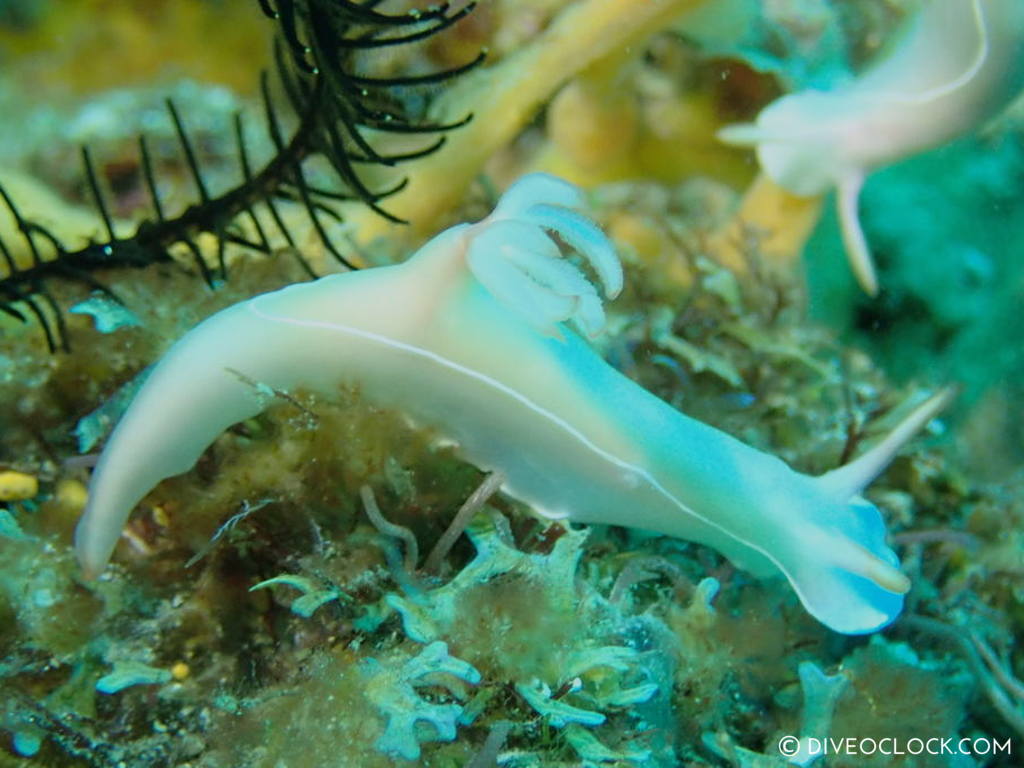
[474, 336]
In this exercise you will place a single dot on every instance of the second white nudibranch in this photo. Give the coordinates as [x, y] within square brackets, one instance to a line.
[468, 337]
[959, 64]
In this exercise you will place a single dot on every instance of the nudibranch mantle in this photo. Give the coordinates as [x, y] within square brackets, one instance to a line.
[959, 63]
[469, 336]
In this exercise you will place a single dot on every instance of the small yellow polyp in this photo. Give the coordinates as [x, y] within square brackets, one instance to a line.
[72, 495]
[180, 671]
[17, 486]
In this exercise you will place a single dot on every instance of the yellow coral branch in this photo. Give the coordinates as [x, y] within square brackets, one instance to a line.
[505, 97]
[72, 225]
[776, 221]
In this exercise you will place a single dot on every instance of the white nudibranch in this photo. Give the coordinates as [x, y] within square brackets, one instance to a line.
[959, 63]
[468, 336]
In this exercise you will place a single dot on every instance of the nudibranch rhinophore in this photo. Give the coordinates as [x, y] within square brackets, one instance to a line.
[471, 336]
[959, 63]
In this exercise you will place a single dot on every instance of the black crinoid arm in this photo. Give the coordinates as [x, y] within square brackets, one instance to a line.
[324, 59]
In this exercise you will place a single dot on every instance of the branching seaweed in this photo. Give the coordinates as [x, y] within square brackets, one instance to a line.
[317, 62]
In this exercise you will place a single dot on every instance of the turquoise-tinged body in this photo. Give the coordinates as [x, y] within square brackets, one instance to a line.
[573, 437]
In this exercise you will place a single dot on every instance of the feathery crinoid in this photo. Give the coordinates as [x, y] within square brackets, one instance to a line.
[324, 59]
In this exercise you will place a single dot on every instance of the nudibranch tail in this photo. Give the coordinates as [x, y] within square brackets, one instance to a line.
[188, 399]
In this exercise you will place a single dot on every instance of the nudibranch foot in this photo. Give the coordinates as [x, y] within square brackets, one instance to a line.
[857, 586]
[467, 336]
